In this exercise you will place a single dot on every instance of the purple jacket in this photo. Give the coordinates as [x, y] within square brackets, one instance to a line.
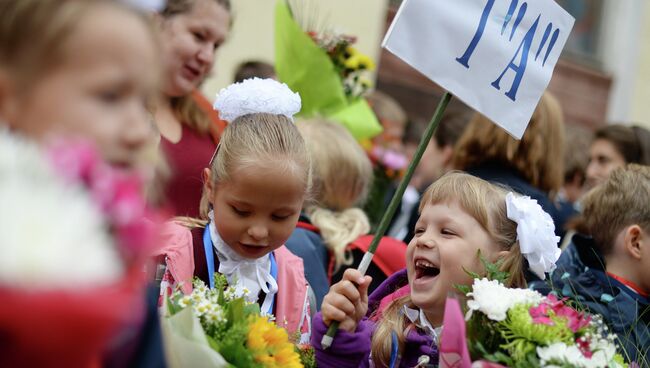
[353, 349]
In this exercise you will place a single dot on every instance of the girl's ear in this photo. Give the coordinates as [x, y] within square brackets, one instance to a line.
[208, 185]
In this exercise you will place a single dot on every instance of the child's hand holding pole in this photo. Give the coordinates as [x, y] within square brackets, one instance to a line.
[347, 300]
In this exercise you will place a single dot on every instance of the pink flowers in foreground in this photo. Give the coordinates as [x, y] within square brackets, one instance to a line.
[118, 193]
[555, 307]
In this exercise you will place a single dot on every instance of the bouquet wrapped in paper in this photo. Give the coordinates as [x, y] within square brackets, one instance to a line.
[327, 72]
[219, 328]
[72, 235]
[508, 327]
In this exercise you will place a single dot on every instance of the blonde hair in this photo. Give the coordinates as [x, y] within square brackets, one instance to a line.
[538, 156]
[186, 109]
[255, 139]
[622, 200]
[342, 177]
[33, 33]
[486, 204]
[188, 112]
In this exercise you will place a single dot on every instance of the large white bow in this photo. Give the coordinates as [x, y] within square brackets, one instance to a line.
[245, 274]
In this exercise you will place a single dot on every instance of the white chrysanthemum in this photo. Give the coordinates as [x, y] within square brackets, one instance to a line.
[563, 355]
[535, 232]
[52, 235]
[494, 300]
[256, 95]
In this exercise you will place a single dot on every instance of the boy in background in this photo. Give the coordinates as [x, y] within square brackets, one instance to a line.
[615, 282]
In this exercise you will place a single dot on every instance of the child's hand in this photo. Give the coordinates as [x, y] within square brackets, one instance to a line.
[345, 302]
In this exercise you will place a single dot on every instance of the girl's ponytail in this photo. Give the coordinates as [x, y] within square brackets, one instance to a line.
[339, 229]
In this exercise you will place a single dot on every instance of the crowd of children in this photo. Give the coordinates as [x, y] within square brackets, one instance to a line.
[275, 203]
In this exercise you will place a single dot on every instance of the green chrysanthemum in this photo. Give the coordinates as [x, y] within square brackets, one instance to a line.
[523, 336]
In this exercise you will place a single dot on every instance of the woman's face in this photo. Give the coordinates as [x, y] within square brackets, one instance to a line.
[603, 159]
[189, 43]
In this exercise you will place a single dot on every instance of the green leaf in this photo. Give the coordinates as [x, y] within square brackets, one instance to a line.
[172, 305]
[212, 342]
[464, 289]
[493, 270]
[236, 311]
[471, 274]
[237, 354]
[252, 309]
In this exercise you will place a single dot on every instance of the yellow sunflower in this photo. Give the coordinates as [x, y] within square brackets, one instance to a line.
[270, 345]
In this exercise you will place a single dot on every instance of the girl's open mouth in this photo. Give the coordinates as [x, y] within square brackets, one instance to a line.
[424, 269]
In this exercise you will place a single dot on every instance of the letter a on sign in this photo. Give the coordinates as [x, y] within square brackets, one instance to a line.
[497, 56]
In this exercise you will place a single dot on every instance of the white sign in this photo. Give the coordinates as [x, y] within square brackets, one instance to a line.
[495, 55]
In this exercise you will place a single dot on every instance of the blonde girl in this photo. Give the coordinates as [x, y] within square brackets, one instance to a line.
[255, 188]
[460, 215]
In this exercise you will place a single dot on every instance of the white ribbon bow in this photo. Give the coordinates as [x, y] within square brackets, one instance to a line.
[535, 232]
[243, 273]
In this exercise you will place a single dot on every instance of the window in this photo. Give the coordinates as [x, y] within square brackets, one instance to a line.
[584, 40]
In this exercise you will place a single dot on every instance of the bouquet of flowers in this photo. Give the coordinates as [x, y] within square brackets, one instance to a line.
[522, 328]
[72, 235]
[327, 71]
[350, 64]
[218, 328]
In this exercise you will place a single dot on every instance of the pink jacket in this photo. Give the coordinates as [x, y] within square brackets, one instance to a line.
[292, 310]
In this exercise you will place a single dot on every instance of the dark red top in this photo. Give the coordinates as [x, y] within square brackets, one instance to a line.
[187, 159]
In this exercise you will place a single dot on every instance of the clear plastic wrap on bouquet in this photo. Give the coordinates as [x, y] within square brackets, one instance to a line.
[186, 344]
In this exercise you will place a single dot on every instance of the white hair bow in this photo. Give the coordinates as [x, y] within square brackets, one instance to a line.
[257, 95]
[535, 232]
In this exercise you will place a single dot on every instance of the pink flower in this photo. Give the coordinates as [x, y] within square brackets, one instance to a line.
[540, 315]
[74, 160]
[391, 159]
[575, 320]
[118, 193]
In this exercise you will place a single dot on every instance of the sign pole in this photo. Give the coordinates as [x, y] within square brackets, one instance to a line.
[327, 340]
